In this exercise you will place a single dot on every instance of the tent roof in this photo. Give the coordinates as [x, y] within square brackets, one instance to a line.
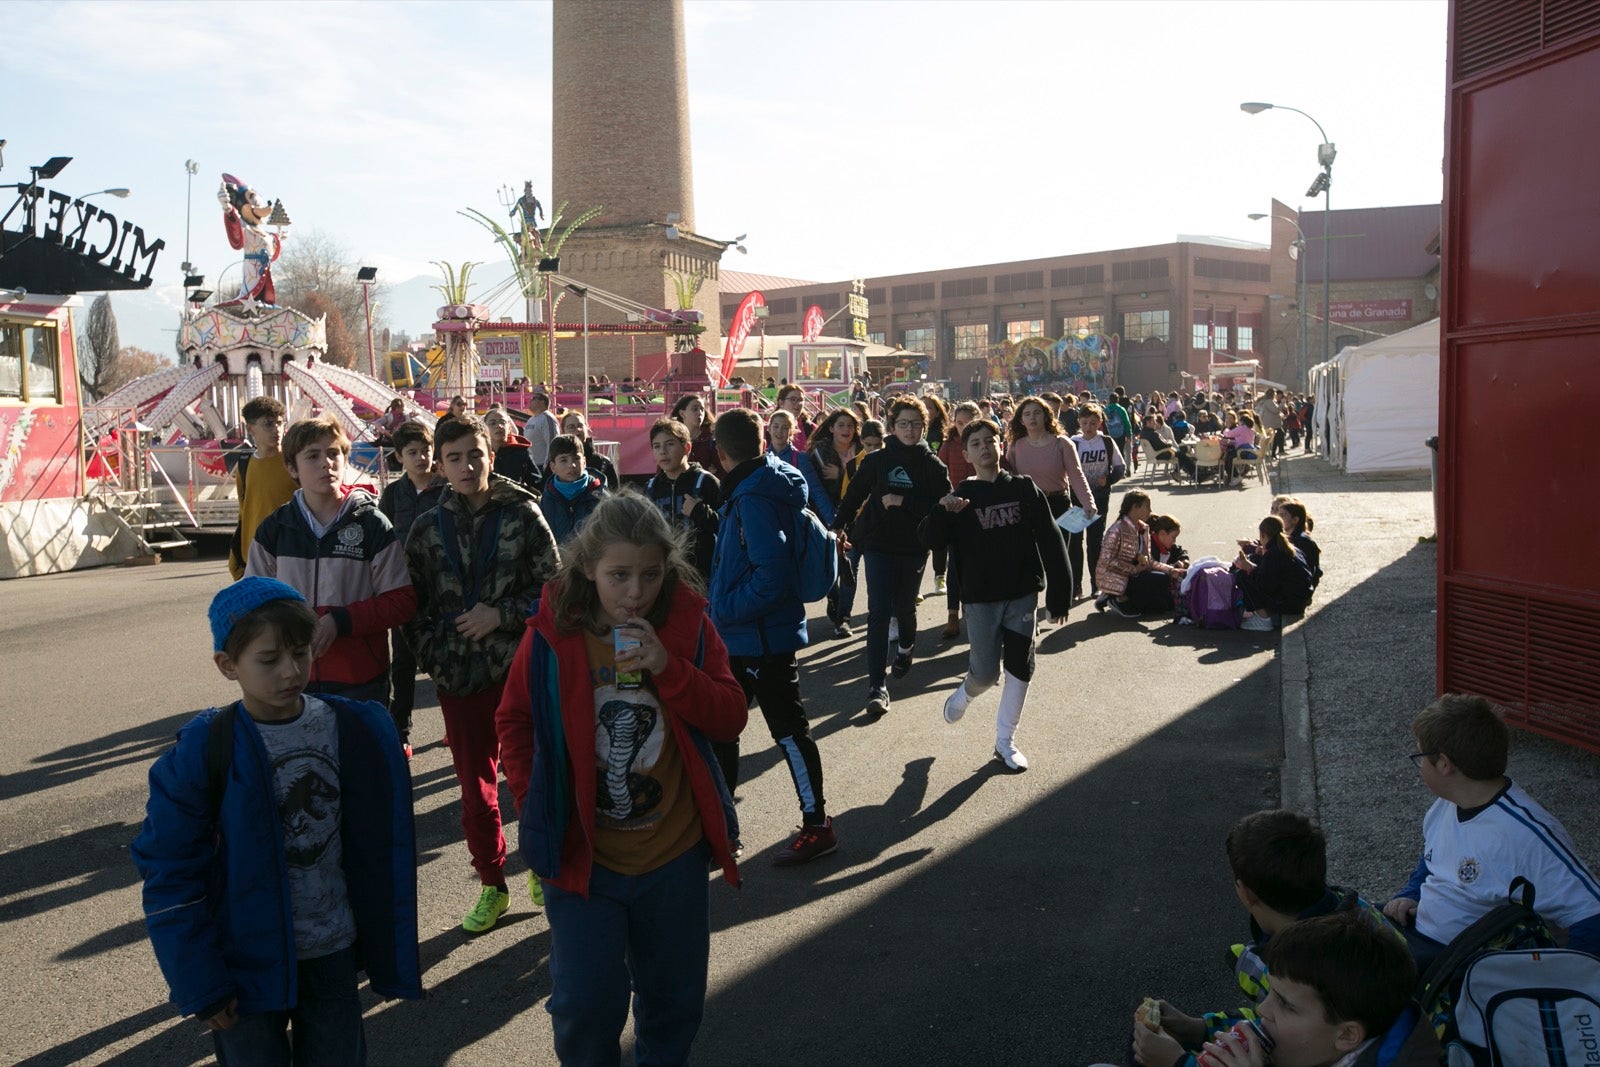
[1415, 341]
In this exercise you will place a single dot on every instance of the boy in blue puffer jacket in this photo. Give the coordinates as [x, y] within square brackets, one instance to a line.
[758, 611]
[278, 852]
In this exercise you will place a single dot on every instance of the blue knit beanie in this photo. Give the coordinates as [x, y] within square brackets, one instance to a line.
[236, 601]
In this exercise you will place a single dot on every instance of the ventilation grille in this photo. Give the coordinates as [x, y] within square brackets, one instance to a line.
[1539, 660]
[1491, 33]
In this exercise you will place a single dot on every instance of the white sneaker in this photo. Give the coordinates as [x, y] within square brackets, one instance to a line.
[1007, 753]
[1257, 622]
[939, 585]
[955, 705]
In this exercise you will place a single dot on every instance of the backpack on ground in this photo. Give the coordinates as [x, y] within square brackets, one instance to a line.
[1527, 1006]
[1210, 598]
[1497, 991]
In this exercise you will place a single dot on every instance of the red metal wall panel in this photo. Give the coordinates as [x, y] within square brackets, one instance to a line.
[1519, 589]
[1526, 248]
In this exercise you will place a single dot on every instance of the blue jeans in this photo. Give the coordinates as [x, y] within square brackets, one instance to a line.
[648, 932]
[322, 1030]
[892, 584]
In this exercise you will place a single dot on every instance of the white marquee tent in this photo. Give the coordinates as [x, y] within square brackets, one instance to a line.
[1377, 403]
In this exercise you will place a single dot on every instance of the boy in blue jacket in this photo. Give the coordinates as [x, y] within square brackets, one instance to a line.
[278, 852]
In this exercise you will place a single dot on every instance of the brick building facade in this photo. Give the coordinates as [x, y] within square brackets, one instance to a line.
[1169, 304]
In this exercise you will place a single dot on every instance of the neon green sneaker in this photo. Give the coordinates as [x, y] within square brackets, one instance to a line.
[535, 890]
[492, 903]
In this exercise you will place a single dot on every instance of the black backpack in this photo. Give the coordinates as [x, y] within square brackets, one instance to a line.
[219, 760]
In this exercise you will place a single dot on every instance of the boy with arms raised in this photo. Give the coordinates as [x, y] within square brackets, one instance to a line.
[1279, 863]
[477, 561]
[1001, 529]
[332, 543]
[1483, 832]
[271, 880]
[261, 487]
[402, 501]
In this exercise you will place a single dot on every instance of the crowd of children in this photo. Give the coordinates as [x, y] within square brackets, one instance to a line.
[602, 647]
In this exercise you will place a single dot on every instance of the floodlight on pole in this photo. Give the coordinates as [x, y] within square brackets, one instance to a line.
[365, 277]
[1326, 154]
[1302, 369]
[582, 291]
[191, 168]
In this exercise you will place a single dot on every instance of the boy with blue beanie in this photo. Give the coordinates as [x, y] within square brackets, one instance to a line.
[278, 852]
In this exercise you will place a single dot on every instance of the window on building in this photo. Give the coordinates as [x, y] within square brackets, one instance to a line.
[30, 362]
[1016, 331]
[1151, 326]
[1222, 338]
[1082, 326]
[1247, 339]
[1200, 340]
[972, 341]
[876, 337]
[925, 341]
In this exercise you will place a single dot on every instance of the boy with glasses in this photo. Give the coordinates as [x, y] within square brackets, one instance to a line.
[1482, 832]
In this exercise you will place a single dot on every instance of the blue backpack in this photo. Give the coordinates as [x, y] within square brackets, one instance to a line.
[815, 552]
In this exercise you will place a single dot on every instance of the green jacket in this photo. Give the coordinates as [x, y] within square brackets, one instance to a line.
[500, 556]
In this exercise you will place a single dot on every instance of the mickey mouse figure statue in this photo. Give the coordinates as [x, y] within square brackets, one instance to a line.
[245, 217]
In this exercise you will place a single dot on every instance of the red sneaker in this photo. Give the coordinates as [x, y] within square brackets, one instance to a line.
[406, 748]
[809, 844]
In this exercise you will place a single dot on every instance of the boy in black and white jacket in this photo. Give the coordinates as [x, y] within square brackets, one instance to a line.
[687, 494]
[1001, 528]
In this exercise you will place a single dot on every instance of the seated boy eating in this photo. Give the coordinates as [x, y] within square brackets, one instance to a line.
[1340, 997]
[1279, 861]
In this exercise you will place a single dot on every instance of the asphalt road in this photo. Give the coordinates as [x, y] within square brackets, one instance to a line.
[969, 916]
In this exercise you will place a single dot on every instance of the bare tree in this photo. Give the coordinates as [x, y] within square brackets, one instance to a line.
[343, 343]
[129, 365]
[316, 275]
[98, 347]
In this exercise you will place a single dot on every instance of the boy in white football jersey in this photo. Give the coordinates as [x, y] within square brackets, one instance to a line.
[1483, 832]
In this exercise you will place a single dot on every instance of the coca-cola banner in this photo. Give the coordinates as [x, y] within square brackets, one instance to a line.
[744, 319]
[811, 325]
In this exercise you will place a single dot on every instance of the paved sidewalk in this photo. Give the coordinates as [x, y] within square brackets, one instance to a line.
[1360, 665]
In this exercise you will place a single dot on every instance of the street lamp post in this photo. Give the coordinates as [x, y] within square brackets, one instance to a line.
[582, 291]
[1301, 367]
[1323, 183]
[190, 168]
[365, 277]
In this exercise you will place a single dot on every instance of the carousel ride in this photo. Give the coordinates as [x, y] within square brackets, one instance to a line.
[187, 420]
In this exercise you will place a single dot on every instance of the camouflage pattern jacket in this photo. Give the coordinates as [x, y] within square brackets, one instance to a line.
[501, 556]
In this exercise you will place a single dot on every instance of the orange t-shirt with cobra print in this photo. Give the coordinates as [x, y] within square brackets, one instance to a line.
[645, 815]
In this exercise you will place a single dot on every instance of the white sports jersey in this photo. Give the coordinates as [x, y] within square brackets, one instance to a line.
[1471, 865]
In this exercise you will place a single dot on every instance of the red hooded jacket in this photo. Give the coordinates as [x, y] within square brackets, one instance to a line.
[702, 702]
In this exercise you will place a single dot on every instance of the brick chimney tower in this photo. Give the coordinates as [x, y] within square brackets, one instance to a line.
[621, 132]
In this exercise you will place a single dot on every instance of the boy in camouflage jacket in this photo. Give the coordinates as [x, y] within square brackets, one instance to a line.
[477, 561]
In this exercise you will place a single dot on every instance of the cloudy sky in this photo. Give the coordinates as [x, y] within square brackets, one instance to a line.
[845, 139]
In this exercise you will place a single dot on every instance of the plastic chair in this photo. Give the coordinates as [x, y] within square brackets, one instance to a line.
[1208, 453]
[1153, 457]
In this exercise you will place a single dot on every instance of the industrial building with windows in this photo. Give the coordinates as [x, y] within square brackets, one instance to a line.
[1175, 307]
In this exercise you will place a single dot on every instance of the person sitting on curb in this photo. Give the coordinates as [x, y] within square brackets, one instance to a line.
[1124, 555]
[1272, 577]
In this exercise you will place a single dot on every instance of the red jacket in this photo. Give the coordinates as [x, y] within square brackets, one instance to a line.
[700, 703]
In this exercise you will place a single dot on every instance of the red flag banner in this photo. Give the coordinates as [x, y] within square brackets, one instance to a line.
[744, 319]
[811, 325]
